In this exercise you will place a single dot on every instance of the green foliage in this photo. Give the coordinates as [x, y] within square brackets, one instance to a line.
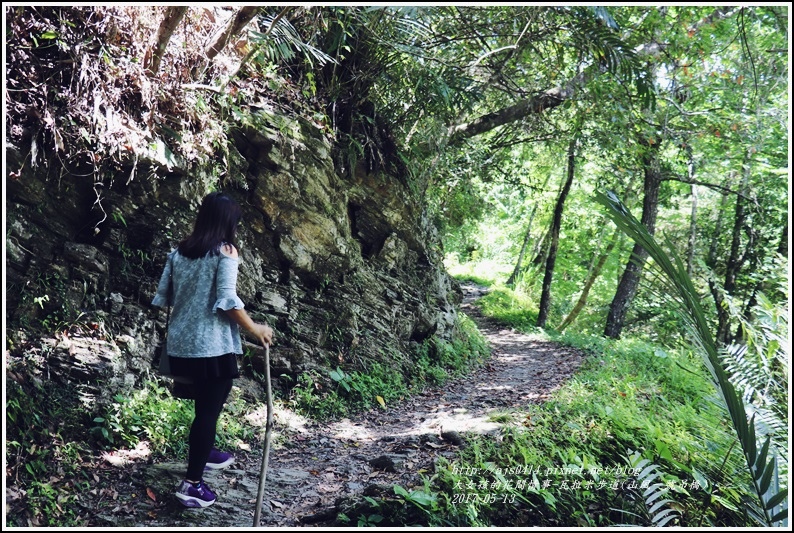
[571, 461]
[615, 56]
[44, 449]
[407, 507]
[343, 392]
[679, 287]
[152, 416]
[656, 509]
[309, 397]
[631, 395]
[485, 273]
[282, 42]
[48, 303]
[510, 307]
[427, 502]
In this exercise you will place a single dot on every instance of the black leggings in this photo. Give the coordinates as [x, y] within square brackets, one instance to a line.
[210, 397]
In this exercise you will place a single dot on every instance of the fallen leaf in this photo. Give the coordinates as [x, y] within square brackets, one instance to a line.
[329, 487]
[150, 493]
[274, 503]
[381, 401]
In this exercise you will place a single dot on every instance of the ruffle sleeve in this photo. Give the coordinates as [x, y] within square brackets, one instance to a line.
[226, 285]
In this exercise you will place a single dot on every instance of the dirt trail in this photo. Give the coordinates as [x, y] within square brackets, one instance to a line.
[314, 464]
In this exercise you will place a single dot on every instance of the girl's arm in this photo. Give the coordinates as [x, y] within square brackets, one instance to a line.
[262, 332]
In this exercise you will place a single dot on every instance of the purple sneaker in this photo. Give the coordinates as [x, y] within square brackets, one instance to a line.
[198, 495]
[219, 459]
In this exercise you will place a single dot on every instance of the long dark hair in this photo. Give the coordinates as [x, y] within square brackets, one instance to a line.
[216, 223]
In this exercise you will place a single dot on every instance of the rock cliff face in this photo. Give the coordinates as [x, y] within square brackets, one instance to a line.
[345, 269]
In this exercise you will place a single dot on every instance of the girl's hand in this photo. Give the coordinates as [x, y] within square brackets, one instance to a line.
[263, 333]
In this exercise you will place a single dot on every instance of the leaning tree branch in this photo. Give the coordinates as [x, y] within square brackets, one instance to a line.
[238, 21]
[255, 49]
[553, 98]
[173, 16]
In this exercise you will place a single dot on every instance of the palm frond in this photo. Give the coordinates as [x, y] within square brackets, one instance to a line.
[615, 56]
[762, 468]
[282, 42]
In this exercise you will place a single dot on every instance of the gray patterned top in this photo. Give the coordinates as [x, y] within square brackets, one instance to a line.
[200, 288]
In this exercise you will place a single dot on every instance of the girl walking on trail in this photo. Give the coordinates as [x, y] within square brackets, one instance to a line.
[199, 282]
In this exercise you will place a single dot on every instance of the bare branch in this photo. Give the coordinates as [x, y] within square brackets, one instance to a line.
[173, 16]
[704, 184]
[238, 21]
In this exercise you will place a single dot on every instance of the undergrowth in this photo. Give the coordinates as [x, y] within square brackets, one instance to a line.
[637, 437]
[633, 436]
[45, 452]
[340, 391]
[54, 437]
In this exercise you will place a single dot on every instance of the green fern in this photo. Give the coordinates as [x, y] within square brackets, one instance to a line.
[762, 466]
[657, 505]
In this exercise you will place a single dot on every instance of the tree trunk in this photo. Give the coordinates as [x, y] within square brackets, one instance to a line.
[173, 16]
[545, 297]
[711, 262]
[737, 257]
[764, 285]
[782, 248]
[531, 106]
[594, 273]
[542, 249]
[711, 259]
[238, 21]
[629, 281]
[517, 270]
[690, 256]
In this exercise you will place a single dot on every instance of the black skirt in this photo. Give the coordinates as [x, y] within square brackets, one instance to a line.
[206, 368]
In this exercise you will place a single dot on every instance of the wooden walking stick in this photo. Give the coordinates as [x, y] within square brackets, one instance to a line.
[268, 428]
